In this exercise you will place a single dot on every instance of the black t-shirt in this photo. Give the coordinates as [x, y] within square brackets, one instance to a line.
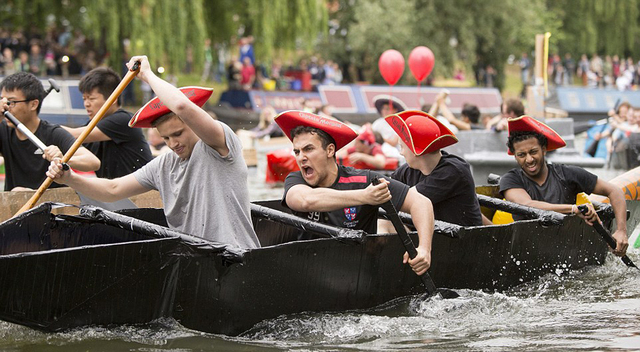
[126, 152]
[359, 217]
[562, 185]
[450, 188]
[23, 167]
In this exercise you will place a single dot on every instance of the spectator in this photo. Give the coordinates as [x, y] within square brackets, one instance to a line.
[440, 111]
[246, 50]
[616, 67]
[365, 153]
[387, 105]
[583, 69]
[607, 71]
[36, 60]
[50, 64]
[569, 69]
[234, 75]
[512, 108]
[558, 70]
[596, 66]
[266, 128]
[247, 74]
[337, 74]
[468, 117]
[490, 76]
[208, 61]
[22, 62]
[8, 64]
[525, 67]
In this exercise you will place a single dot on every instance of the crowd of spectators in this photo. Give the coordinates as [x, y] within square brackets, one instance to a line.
[595, 72]
[56, 52]
[243, 71]
[621, 137]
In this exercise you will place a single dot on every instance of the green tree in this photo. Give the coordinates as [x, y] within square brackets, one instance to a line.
[603, 27]
[164, 29]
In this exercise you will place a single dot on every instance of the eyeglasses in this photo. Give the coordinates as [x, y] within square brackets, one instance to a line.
[12, 103]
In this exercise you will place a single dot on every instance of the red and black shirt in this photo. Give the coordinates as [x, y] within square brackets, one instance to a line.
[359, 217]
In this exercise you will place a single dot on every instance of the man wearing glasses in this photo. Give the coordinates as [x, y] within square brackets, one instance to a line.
[25, 164]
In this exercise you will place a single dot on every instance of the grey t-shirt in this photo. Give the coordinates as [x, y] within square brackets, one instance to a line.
[205, 195]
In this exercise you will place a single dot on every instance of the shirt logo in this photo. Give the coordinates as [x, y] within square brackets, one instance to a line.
[350, 213]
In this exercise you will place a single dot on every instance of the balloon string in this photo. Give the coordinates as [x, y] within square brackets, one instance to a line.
[419, 104]
[392, 109]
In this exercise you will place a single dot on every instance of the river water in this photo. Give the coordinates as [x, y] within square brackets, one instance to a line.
[596, 308]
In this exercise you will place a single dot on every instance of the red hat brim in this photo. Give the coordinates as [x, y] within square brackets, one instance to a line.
[429, 136]
[155, 108]
[526, 123]
[341, 133]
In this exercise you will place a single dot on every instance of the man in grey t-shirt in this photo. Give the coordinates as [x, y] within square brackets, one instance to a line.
[203, 184]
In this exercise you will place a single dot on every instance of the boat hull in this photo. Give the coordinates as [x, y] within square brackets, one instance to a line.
[94, 271]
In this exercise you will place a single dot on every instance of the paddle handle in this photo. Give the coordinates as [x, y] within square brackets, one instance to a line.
[408, 244]
[606, 236]
[78, 143]
[22, 128]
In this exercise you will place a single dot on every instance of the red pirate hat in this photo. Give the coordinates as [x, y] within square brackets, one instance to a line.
[421, 132]
[341, 133]
[155, 108]
[529, 124]
[366, 135]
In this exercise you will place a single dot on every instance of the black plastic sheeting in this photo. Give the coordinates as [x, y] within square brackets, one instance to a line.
[104, 268]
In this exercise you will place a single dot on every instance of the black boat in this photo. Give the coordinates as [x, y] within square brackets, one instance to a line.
[59, 272]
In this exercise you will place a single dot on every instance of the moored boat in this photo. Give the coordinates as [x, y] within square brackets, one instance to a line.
[103, 268]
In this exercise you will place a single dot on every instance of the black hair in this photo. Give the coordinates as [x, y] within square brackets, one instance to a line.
[28, 84]
[519, 136]
[471, 112]
[104, 79]
[325, 138]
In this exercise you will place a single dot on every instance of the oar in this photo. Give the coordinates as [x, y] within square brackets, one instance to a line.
[78, 143]
[22, 128]
[392, 215]
[263, 212]
[547, 217]
[606, 236]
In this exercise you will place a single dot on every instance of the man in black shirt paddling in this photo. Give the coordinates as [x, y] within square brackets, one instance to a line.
[25, 164]
[547, 186]
[121, 149]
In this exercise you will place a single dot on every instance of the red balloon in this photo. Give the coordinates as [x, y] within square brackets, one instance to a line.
[421, 61]
[391, 65]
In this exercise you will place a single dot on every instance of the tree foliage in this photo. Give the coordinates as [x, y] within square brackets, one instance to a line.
[166, 29]
[483, 32]
[461, 33]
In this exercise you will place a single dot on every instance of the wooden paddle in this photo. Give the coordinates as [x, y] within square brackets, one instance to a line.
[606, 236]
[392, 215]
[78, 143]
